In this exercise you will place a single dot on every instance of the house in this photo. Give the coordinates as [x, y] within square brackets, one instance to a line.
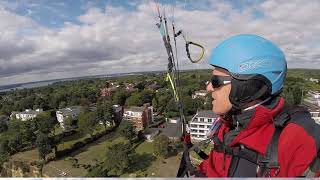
[68, 112]
[200, 124]
[117, 114]
[172, 128]
[153, 87]
[313, 98]
[314, 80]
[26, 115]
[141, 117]
[107, 92]
[129, 87]
[315, 114]
[199, 94]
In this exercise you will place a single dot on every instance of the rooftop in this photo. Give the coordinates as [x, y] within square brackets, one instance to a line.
[207, 114]
[171, 129]
[68, 110]
[135, 109]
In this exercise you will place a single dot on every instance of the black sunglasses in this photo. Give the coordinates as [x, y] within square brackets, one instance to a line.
[218, 81]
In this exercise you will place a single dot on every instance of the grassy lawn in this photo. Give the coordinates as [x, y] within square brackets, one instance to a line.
[89, 155]
[145, 147]
[96, 151]
[146, 163]
[164, 168]
[58, 168]
[28, 156]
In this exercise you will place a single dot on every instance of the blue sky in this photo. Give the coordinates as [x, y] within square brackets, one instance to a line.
[50, 39]
[54, 13]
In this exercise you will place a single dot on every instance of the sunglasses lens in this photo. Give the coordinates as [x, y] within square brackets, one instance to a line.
[218, 81]
[215, 81]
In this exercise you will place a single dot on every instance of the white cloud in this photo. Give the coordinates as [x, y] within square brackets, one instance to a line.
[120, 40]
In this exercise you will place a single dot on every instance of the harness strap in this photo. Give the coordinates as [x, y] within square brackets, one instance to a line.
[270, 160]
[313, 168]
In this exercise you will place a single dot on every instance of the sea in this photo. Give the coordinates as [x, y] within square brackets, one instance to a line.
[28, 85]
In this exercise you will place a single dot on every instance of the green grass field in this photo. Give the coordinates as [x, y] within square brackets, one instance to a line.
[89, 155]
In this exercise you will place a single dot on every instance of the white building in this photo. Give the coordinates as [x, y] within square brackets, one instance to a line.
[200, 124]
[313, 98]
[314, 80]
[27, 114]
[316, 115]
[199, 94]
[69, 112]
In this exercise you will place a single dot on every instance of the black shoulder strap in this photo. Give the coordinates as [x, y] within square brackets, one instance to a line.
[300, 116]
[270, 160]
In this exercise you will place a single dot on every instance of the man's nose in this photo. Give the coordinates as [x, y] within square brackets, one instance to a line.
[209, 87]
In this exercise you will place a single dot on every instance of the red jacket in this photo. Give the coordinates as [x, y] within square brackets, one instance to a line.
[296, 148]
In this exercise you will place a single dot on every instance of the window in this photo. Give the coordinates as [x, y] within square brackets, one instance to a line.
[194, 130]
[194, 125]
[209, 120]
[201, 119]
[201, 126]
[208, 127]
[201, 131]
[201, 136]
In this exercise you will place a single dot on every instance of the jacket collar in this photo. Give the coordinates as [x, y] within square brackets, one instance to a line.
[253, 122]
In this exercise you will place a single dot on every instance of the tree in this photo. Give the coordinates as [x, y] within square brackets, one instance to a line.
[87, 122]
[46, 122]
[44, 145]
[126, 129]
[288, 96]
[117, 159]
[27, 131]
[70, 123]
[161, 146]
[297, 94]
[62, 104]
[155, 104]
[189, 105]
[4, 146]
[119, 98]
[3, 124]
[105, 112]
[135, 99]
[171, 109]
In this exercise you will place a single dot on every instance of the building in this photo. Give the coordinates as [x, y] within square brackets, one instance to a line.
[172, 128]
[153, 87]
[141, 117]
[313, 98]
[314, 80]
[26, 115]
[65, 113]
[199, 94]
[200, 124]
[315, 114]
[117, 114]
[107, 92]
[129, 87]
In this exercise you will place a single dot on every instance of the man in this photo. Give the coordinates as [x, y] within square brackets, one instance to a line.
[258, 136]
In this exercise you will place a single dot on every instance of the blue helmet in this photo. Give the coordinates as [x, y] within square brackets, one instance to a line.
[249, 56]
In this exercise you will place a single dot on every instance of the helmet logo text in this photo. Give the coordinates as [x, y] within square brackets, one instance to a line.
[253, 64]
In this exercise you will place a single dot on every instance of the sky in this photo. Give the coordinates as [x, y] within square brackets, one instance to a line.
[52, 39]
